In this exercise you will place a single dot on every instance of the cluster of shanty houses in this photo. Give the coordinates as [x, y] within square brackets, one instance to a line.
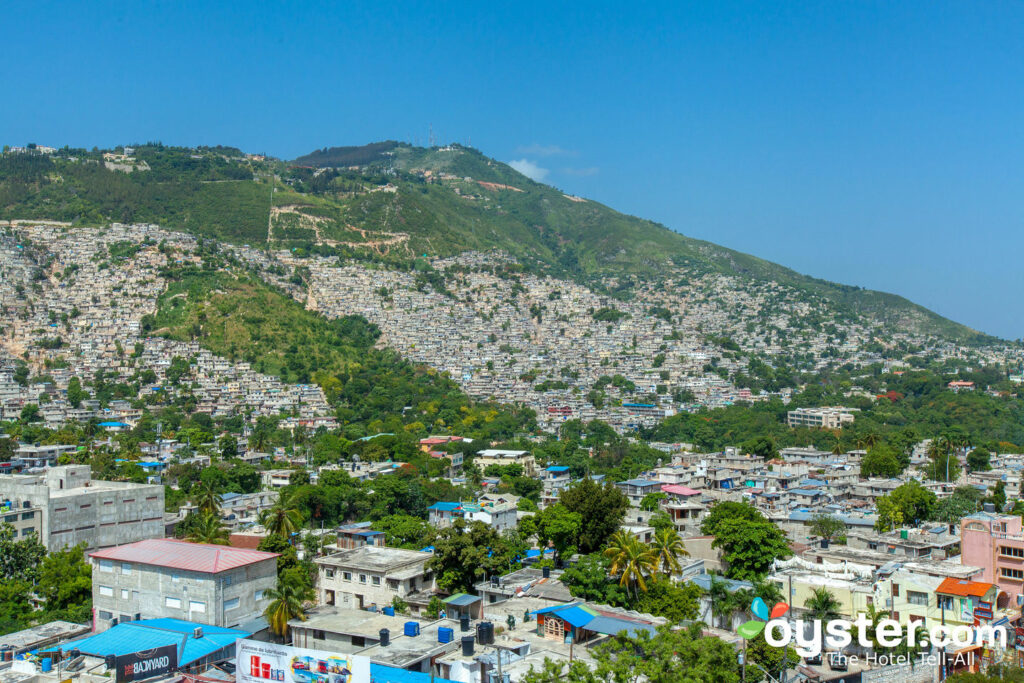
[79, 313]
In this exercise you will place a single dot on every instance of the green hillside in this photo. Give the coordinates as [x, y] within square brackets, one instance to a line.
[398, 201]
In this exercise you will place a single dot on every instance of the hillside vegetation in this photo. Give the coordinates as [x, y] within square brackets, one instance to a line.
[393, 200]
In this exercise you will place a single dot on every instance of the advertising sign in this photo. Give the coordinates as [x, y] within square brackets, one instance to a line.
[146, 664]
[257, 662]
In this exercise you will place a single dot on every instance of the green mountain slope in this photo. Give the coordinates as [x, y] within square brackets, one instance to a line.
[401, 201]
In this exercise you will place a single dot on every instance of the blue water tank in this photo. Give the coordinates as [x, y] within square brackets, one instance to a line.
[46, 665]
[412, 628]
[445, 634]
[390, 611]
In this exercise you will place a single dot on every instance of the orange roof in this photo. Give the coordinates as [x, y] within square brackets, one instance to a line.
[977, 589]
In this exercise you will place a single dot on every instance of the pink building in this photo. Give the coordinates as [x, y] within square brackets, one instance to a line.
[995, 542]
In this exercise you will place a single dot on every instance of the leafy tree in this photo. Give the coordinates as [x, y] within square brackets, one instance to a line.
[670, 656]
[228, 446]
[404, 531]
[750, 547]
[828, 527]
[207, 495]
[65, 583]
[979, 460]
[998, 497]
[762, 446]
[557, 525]
[881, 461]
[651, 500]
[726, 510]
[19, 559]
[75, 392]
[601, 510]
[465, 554]
[910, 503]
[964, 501]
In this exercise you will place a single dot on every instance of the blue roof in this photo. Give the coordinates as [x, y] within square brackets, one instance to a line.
[813, 482]
[461, 599]
[574, 614]
[135, 636]
[611, 626]
[380, 673]
[447, 507]
[640, 482]
[558, 468]
[113, 423]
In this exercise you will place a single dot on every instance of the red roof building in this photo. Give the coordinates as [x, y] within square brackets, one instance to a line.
[193, 557]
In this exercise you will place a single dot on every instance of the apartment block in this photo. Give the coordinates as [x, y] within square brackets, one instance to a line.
[165, 578]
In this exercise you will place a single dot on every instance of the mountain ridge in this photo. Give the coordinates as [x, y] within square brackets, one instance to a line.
[392, 200]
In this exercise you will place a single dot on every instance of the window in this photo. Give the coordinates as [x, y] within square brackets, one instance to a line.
[1007, 551]
[376, 581]
[227, 580]
[124, 593]
[175, 577]
[126, 568]
[230, 604]
[362, 578]
[945, 602]
[107, 591]
[259, 594]
[196, 606]
[28, 515]
[359, 641]
[1008, 573]
[319, 635]
[347, 576]
[329, 573]
[895, 590]
[105, 615]
[917, 598]
[106, 566]
[174, 603]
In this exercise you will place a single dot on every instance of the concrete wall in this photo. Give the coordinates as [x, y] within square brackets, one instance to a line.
[144, 590]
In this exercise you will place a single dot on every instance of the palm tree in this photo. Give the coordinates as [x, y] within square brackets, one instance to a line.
[631, 560]
[719, 596]
[822, 605]
[208, 529]
[768, 591]
[668, 548]
[282, 518]
[867, 441]
[874, 616]
[287, 602]
[207, 498]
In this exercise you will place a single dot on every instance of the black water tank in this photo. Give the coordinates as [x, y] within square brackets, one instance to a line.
[485, 633]
[547, 572]
[467, 646]
[464, 622]
[385, 637]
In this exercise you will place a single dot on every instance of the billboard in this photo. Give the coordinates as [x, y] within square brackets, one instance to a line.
[257, 662]
[146, 664]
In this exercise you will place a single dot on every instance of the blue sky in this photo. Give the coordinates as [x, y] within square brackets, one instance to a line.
[875, 144]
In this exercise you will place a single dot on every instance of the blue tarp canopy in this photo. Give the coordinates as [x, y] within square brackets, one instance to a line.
[136, 636]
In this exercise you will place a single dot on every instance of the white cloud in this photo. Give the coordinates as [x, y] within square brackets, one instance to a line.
[529, 169]
[587, 171]
[545, 150]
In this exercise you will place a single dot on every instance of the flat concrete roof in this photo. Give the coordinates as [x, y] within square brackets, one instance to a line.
[373, 558]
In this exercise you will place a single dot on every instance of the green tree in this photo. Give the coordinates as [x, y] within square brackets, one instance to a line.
[828, 527]
[749, 547]
[668, 547]
[726, 510]
[465, 554]
[557, 525]
[65, 583]
[75, 392]
[965, 500]
[909, 503]
[404, 531]
[208, 528]
[283, 517]
[601, 510]
[979, 460]
[19, 559]
[287, 601]
[651, 500]
[631, 560]
[881, 461]
[822, 605]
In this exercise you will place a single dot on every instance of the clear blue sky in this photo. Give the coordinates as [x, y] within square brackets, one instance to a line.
[876, 144]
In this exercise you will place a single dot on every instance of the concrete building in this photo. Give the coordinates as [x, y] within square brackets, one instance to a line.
[824, 418]
[74, 508]
[371, 575]
[499, 516]
[494, 456]
[164, 578]
[995, 542]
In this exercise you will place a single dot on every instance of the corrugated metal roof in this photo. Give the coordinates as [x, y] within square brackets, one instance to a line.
[136, 636]
[379, 673]
[461, 599]
[194, 557]
[611, 626]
